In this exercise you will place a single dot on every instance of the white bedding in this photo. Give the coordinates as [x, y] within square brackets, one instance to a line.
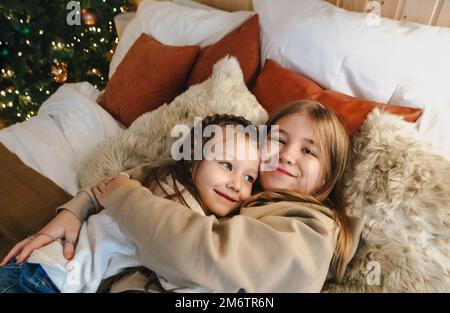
[68, 125]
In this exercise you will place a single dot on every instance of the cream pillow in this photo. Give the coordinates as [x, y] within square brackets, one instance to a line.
[149, 137]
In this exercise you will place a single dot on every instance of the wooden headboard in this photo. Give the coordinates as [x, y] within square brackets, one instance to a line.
[428, 12]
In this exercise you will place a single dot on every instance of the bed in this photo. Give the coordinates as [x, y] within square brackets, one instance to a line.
[71, 123]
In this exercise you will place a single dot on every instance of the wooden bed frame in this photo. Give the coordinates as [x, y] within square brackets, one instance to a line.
[428, 12]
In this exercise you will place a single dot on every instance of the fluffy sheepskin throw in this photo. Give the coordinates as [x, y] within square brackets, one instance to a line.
[149, 137]
[402, 189]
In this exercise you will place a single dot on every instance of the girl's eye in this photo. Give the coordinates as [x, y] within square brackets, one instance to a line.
[227, 165]
[278, 140]
[309, 152]
[249, 179]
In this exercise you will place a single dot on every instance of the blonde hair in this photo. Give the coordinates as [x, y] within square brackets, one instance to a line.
[333, 143]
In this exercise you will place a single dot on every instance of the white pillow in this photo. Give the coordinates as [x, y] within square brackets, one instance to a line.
[176, 25]
[149, 137]
[342, 51]
[394, 62]
[193, 4]
[121, 20]
[68, 125]
[434, 124]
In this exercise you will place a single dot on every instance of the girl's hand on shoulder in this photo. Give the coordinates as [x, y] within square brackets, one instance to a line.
[103, 190]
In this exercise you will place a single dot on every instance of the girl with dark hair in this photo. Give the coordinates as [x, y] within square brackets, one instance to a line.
[216, 184]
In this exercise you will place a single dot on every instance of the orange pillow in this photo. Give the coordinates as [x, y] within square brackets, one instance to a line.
[243, 43]
[277, 86]
[149, 75]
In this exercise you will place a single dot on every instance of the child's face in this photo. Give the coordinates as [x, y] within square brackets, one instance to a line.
[299, 168]
[225, 177]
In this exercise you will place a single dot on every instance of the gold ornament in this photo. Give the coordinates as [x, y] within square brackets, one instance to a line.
[89, 16]
[59, 72]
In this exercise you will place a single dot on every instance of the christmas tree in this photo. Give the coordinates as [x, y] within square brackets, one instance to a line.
[44, 44]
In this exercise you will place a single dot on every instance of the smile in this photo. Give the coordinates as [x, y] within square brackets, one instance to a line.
[225, 196]
[283, 171]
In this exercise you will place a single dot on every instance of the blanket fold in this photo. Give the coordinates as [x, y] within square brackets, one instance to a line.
[27, 200]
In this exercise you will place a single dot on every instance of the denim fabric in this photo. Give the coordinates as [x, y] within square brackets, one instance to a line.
[25, 278]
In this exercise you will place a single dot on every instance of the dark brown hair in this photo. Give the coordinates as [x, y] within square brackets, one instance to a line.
[183, 172]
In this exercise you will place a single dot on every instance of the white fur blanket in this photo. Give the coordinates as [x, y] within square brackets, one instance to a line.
[402, 188]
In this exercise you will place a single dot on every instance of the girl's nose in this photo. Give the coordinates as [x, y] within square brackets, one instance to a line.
[234, 184]
[287, 155]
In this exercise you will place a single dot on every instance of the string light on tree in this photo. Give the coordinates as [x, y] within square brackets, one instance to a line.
[93, 72]
[7, 74]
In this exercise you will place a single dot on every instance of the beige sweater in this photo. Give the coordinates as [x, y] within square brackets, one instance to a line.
[276, 247]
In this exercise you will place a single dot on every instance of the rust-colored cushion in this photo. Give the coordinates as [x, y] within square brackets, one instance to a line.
[276, 86]
[28, 200]
[243, 43]
[149, 75]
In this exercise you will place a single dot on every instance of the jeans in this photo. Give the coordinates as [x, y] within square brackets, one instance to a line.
[25, 278]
